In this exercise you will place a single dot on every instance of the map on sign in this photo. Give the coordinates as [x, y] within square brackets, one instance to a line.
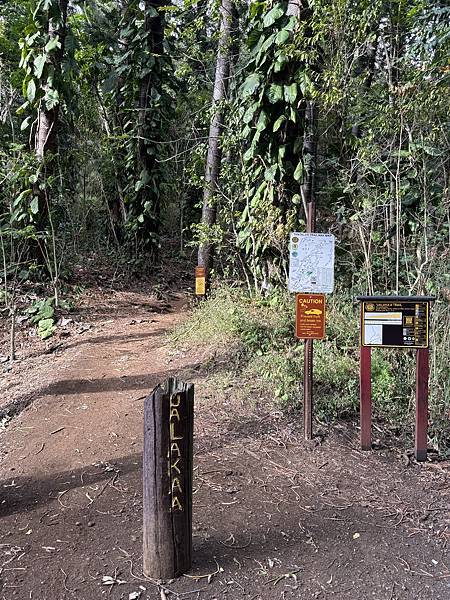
[394, 323]
[311, 263]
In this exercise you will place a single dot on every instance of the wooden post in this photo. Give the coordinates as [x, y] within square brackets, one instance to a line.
[365, 398]
[167, 480]
[422, 374]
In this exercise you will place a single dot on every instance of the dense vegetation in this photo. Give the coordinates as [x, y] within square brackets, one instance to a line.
[128, 128]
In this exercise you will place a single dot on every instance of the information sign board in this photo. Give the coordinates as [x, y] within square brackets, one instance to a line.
[394, 322]
[200, 281]
[311, 263]
[310, 316]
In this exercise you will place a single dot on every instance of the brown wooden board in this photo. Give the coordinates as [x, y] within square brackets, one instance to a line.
[310, 316]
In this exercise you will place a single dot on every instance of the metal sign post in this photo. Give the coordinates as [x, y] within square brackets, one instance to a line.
[308, 357]
[311, 271]
[395, 322]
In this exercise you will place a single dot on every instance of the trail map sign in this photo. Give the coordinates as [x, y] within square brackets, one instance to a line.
[311, 263]
[394, 322]
[310, 316]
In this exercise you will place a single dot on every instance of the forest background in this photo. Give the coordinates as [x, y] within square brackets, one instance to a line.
[136, 132]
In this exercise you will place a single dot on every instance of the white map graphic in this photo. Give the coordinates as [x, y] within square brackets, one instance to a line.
[311, 263]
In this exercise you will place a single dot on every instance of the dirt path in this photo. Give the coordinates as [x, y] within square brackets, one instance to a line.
[274, 518]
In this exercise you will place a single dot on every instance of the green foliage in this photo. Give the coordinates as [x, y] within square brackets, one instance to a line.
[43, 315]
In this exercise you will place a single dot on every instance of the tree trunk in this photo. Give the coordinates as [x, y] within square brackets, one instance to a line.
[46, 141]
[154, 27]
[213, 159]
[307, 188]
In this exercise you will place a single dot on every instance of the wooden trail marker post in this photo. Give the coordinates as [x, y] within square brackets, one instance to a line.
[395, 322]
[167, 480]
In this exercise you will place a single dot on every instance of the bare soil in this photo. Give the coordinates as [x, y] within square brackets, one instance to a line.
[274, 517]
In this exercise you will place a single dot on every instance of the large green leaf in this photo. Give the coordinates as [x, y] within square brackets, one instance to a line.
[282, 37]
[290, 93]
[31, 91]
[52, 44]
[298, 174]
[39, 63]
[250, 85]
[275, 93]
[270, 172]
[281, 119]
[272, 16]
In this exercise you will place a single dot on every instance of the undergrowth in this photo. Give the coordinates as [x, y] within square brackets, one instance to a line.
[257, 333]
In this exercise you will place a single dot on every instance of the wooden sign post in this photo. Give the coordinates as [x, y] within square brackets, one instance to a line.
[167, 480]
[395, 322]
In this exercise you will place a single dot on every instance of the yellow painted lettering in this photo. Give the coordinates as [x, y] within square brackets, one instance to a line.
[175, 401]
[174, 414]
[174, 448]
[176, 503]
[176, 485]
[174, 466]
[172, 432]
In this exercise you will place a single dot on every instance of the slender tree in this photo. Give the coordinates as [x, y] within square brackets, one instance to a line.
[213, 159]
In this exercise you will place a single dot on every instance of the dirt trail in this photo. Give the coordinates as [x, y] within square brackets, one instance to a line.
[274, 518]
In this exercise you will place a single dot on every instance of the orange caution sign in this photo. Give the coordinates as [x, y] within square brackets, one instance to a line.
[310, 316]
[200, 281]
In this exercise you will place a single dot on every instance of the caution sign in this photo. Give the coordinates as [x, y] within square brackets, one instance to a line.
[200, 281]
[396, 322]
[310, 316]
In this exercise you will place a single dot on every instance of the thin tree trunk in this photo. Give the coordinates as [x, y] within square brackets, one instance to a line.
[46, 141]
[154, 27]
[307, 188]
[213, 159]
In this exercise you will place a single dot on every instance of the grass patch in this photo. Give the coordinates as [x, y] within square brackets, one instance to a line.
[257, 334]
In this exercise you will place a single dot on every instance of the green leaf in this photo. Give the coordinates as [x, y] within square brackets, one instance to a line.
[279, 122]
[25, 123]
[46, 328]
[378, 168]
[34, 206]
[275, 93]
[31, 91]
[290, 93]
[270, 172]
[250, 85]
[249, 113]
[39, 63]
[52, 44]
[262, 121]
[282, 37]
[272, 16]
[298, 174]
[51, 99]
[280, 61]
